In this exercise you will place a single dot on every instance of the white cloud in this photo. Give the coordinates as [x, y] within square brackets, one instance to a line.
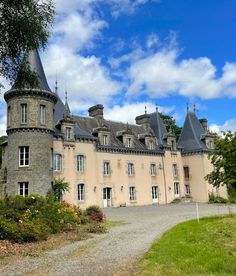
[163, 73]
[84, 77]
[228, 125]
[128, 111]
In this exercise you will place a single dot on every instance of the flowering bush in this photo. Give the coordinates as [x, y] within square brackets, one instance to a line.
[95, 213]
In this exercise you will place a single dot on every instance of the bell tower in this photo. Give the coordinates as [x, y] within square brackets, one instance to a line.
[30, 130]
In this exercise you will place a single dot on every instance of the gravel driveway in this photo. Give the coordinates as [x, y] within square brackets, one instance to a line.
[117, 252]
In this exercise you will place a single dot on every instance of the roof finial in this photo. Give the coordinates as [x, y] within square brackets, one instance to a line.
[194, 108]
[145, 109]
[65, 96]
[56, 87]
[156, 108]
[187, 107]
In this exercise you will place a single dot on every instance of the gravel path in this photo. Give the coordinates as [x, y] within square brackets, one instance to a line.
[117, 252]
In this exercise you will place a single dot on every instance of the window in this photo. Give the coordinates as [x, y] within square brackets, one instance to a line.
[151, 145]
[106, 168]
[132, 193]
[153, 170]
[80, 163]
[129, 142]
[172, 145]
[23, 114]
[130, 169]
[187, 189]
[68, 133]
[57, 162]
[42, 111]
[81, 192]
[176, 189]
[186, 172]
[175, 171]
[155, 193]
[23, 156]
[105, 140]
[8, 116]
[23, 188]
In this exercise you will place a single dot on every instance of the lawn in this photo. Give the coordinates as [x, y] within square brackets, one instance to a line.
[192, 248]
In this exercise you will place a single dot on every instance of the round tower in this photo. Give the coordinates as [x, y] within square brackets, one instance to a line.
[30, 129]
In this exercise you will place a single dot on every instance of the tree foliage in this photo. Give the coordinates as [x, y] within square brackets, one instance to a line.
[24, 26]
[60, 186]
[170, 124]
[223, 159]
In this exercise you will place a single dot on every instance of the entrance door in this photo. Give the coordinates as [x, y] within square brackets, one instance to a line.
[177, 189]
[107, 197]
[155, 194]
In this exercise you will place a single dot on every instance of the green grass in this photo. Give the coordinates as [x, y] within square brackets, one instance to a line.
[192, 248]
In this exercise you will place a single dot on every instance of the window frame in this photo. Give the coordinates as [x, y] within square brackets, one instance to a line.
[186, 172]
[68, 133]
[132, 193]
[130, 170]
[57, 161]
[42, 114]
[23, 113]
[23, 156]
[22, 188]
[80, 165]
[81, 192]
[106, 168]
[187, 189]
[175, 170]
[153, 169]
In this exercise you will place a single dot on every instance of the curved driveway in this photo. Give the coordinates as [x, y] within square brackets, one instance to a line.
[117, 252]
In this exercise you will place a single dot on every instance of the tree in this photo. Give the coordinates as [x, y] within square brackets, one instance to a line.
[2, 139]
[60, 187]
[24, 26]
[223, 159]
[170, 124]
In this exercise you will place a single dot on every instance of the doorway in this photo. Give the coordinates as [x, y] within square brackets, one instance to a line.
[155, 194]
[107, 193]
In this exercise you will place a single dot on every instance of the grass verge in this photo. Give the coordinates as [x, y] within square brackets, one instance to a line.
[192, 248]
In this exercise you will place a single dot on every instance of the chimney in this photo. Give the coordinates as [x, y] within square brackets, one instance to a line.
[96, 112]
[204, 123]
[143, 120]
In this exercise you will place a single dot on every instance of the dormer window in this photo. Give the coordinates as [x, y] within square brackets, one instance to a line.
[129, 142]
[105, 140]
[23, 114]
[68, 133]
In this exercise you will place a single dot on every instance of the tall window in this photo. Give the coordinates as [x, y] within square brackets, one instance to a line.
[23, 188]
[176, 189]
[105, 140]
[129, 142]
[106, 168]
[57, 162]
[23, 114]
[130, 169]
[175, 171]
[187, 189]
[68, 133]
[23, 156]
[153, 169]
[132, 193]
[42, 111]
[186, 172]
[81, 192]
[80, 163]
[151, 145]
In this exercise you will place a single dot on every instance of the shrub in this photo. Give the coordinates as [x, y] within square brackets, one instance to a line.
[216, 199]
[95, 213]
[96, 228]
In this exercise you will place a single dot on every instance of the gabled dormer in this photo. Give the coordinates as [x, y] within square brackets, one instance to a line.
[126, 136]
[171, 140]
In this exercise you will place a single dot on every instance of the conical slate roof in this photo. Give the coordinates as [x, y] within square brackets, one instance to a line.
[159, 128]
[192, 134]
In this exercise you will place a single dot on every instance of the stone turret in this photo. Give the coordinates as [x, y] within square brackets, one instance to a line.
[30, 129]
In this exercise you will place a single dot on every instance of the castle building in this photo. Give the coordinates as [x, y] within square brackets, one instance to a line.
[106, 163]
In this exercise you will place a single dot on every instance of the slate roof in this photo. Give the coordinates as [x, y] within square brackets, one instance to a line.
[191, 135]
[159, 128]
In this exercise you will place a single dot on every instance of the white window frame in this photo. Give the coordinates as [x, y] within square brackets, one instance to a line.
[23, 188]
[68, 133]
[130, 169]
[23, 113]
[187, 189]
[81, 191]
[24, 161]
[132, 193]
[106, 168]
[80, 163]
[176, 189]
[151, 145]
[153, 169]
[105, 139]
[42, 114]
[129, 142]
[57, 162]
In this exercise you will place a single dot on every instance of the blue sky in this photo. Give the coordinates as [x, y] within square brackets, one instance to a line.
[127, 54]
